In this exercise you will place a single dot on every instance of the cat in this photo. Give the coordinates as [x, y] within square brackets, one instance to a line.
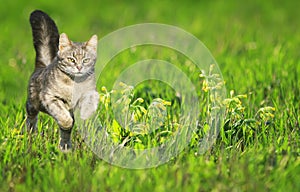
[63, 79]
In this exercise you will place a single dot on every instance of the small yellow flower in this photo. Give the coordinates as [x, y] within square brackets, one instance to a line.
[168, 103]
[103, 89]
[205, 86]
[141, 100]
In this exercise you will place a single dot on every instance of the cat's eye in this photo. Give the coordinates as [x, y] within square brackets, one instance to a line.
[86, 60]
[71, 60]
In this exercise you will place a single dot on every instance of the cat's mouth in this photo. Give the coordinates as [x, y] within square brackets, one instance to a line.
[79, 74]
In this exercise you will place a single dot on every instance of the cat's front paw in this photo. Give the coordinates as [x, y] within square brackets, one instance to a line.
[89, 104]
[65, 146]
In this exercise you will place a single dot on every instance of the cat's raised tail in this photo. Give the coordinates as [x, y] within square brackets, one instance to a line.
[45, 38]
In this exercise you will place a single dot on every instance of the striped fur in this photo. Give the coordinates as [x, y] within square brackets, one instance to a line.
[45, 38]
[63, 79]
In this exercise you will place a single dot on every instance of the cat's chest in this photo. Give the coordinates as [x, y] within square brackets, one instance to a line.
[67, 88]
[80, 89]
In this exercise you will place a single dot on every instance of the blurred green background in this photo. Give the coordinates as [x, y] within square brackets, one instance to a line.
[252, 31]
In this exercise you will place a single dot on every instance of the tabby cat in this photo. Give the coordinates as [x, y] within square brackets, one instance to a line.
[63, 78]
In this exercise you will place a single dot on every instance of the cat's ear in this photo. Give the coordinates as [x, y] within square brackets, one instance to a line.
[92, 43]
[64, 42]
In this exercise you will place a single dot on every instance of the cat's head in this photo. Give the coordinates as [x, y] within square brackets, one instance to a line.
[77, 59]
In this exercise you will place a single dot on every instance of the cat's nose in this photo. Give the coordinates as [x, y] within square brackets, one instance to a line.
[79, 68]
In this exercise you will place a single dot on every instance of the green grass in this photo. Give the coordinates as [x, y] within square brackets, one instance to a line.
[256, 45]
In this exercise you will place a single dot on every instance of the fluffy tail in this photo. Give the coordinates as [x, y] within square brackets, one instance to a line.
[45, 38]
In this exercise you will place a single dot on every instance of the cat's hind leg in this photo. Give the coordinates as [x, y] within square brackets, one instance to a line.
[32, 117]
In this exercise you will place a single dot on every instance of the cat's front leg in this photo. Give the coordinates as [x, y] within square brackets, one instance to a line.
[64, 118]
[88, 104]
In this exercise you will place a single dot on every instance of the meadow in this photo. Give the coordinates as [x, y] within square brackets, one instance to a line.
[256, 46]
